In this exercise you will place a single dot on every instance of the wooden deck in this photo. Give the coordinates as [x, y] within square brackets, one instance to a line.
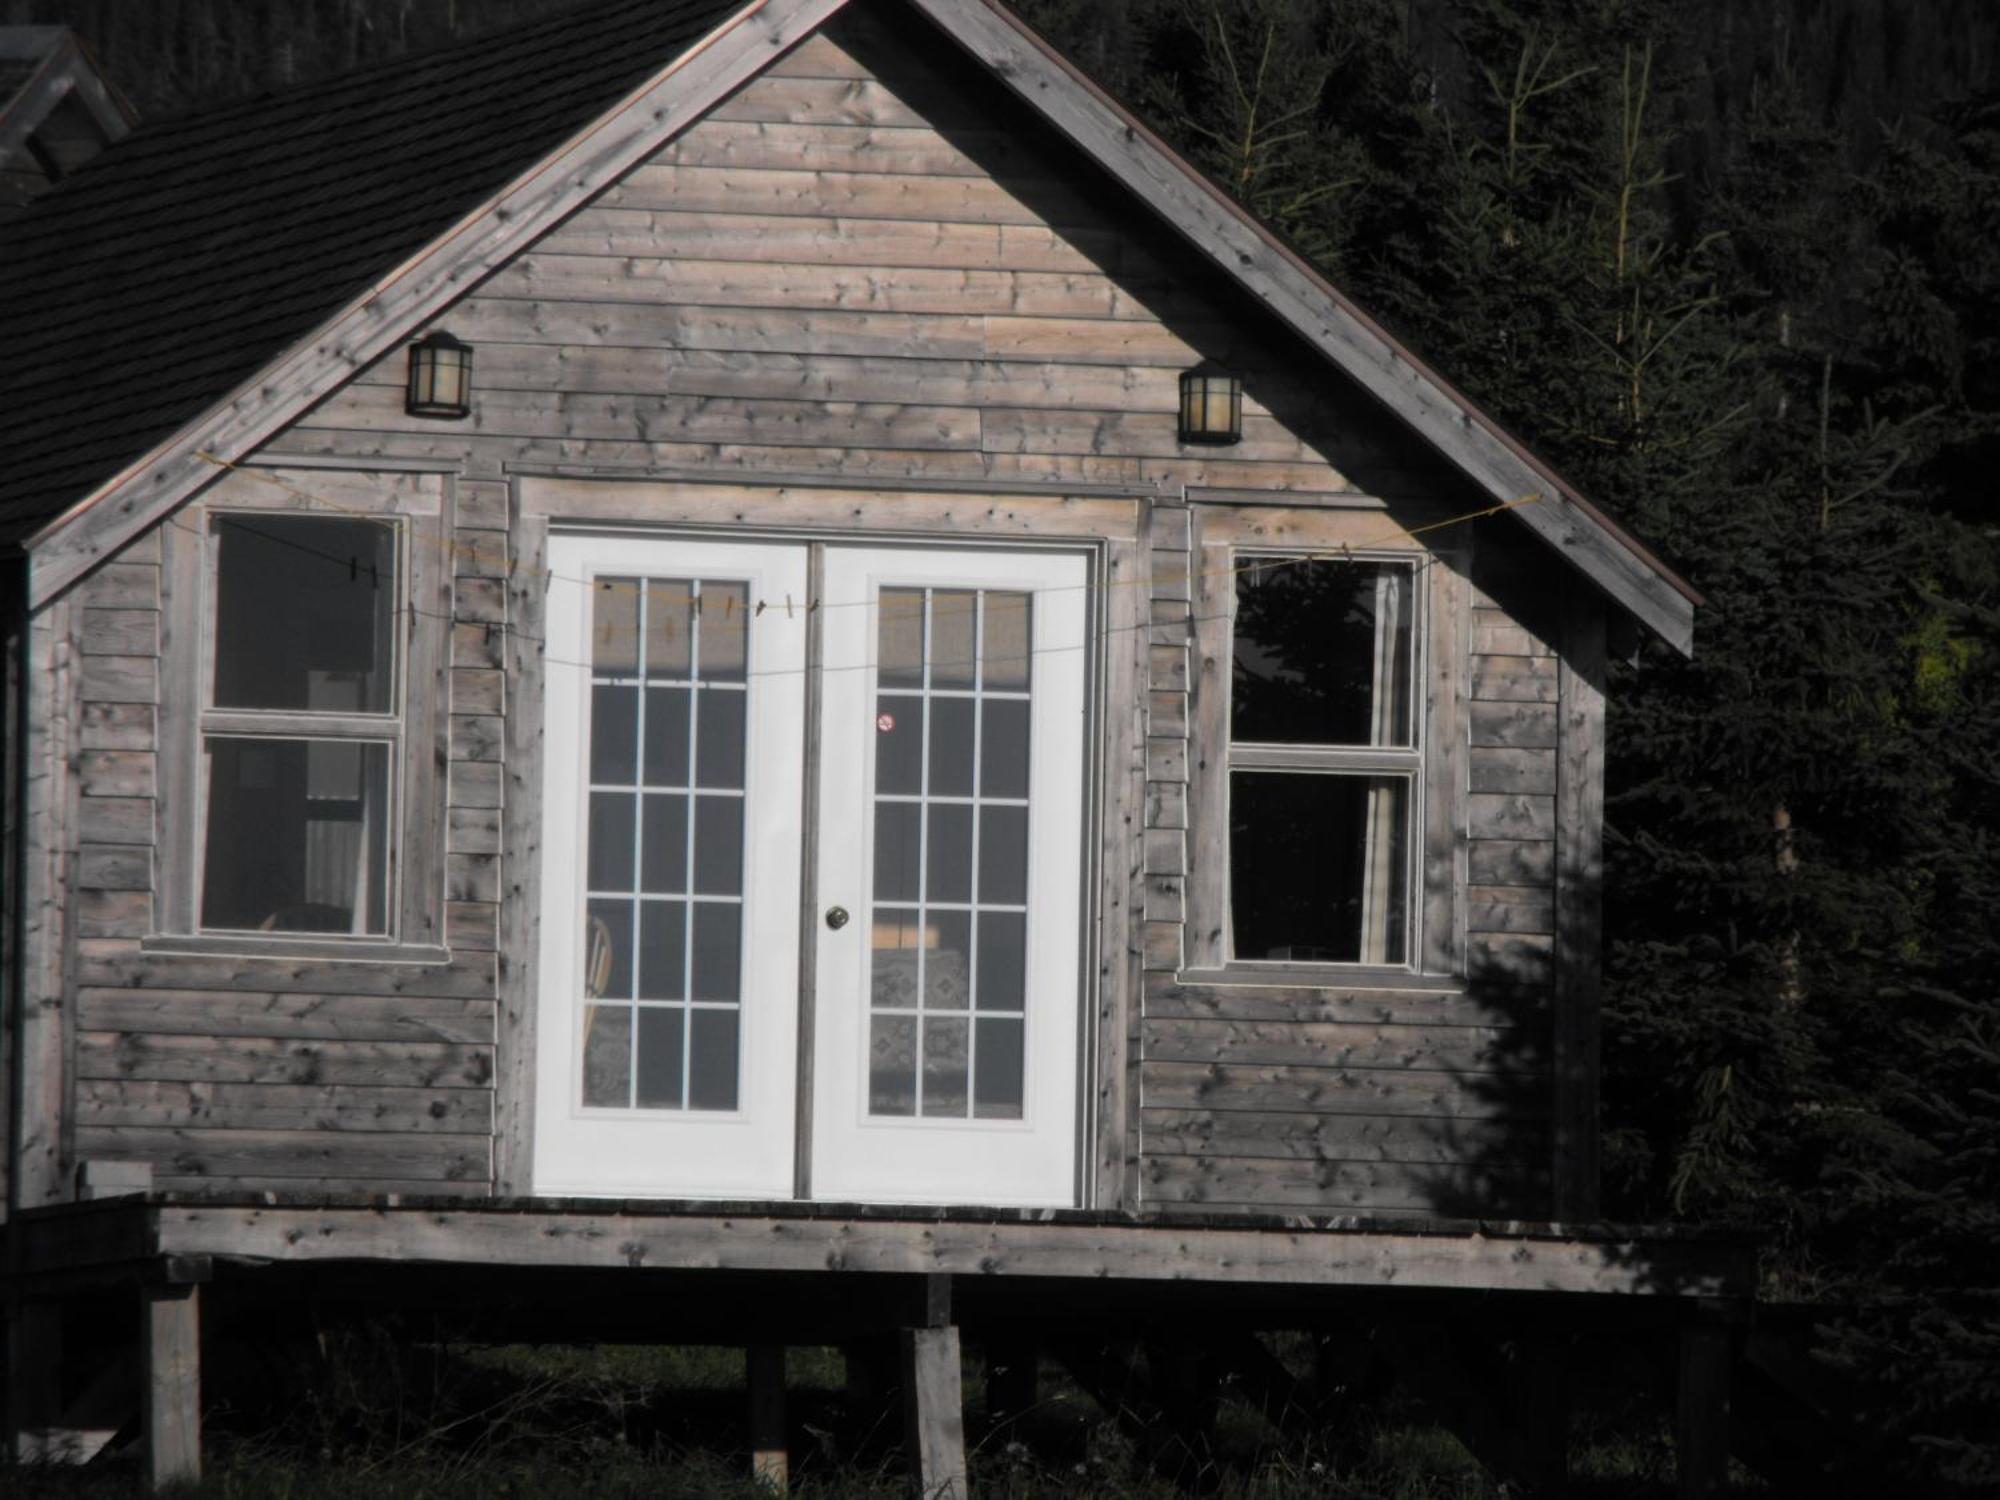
[763, 1275]
[123, 1234]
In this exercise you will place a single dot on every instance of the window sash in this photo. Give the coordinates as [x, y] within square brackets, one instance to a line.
[295, 726]
[1393, 701]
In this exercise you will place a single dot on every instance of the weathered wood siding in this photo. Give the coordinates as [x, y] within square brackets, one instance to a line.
[869, 265]
[234, 1072]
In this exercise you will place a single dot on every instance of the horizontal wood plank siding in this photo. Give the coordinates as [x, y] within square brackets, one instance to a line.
[221, 1069]
[864, 266]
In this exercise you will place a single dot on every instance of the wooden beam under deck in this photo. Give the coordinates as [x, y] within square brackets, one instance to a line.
[1446, 1256]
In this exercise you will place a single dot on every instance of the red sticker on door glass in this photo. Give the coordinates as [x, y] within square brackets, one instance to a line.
[885, 722]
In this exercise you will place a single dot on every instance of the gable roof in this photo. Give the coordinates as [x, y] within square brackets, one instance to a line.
[232, 269]
[172, 269]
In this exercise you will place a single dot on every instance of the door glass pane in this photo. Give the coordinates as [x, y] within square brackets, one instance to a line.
[663, 938]
[298, 836]
[305, 613]
[1323, 653]
[1319, 867]
[949, 938]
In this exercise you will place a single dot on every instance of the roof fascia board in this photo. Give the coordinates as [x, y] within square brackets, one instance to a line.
[1222, 229]
[64, 70]
[405, 298]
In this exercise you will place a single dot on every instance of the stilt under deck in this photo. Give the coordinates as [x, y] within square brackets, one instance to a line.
[1480, 1310]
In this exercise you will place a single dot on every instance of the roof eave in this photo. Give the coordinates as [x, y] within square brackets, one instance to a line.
[1223, 229]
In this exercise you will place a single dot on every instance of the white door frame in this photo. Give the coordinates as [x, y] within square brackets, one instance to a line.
[757, 1151]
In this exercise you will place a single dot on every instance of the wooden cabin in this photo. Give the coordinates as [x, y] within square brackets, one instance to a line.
[760, 640]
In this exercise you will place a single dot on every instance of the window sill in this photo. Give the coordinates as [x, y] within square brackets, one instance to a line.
[1324, 977]
[295, 946]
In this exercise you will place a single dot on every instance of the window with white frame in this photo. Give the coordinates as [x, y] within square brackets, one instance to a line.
[1325, 763]
[301, 733]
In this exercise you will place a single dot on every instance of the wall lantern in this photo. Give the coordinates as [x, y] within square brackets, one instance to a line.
[440, 378]
[1211, 406]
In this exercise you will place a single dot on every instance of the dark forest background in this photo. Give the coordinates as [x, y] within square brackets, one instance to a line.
[1735, 268]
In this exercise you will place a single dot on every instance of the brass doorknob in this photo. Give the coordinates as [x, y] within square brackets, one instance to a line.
[836, 917]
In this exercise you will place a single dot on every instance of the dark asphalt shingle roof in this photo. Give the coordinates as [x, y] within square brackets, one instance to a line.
[191, 253]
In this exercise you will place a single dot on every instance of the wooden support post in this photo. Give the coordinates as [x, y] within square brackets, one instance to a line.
[1010, 1378]
[934, 1412]
[171, 1340]
[934, 1397]
[34, 1386]
[1701, 1429]
[770, 1462]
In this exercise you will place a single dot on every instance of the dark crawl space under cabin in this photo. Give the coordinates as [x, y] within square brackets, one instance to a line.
[749, 672]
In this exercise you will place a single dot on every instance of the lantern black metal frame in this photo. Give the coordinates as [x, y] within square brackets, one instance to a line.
[440, 378]
[1203, 390]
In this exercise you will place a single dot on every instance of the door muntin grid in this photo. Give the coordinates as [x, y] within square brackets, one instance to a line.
[662, 942]
[949, 942]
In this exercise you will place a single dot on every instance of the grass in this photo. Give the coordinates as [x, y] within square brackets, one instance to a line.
[384, 1420]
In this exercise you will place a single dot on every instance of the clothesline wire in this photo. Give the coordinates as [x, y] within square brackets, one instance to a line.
[1345, 552]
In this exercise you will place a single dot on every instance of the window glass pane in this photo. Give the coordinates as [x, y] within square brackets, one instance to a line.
[898, 850]
[614, 627]
[1318, 867]
[1322, 653]
[894, 944]
[718, 846]
[948, 857]
[719, 735]
[1003, 957]
[669, 628]
[1003, 747]
[1005, 643]
[712, 1067]
[724, 631]
[607, 1056]
[607, 949]
[946, 1066]
[298, 836]
[952, 625]
[1003, 855]
[663, 838]
[661, 1046]
[948, 961]
[610, 858]
[305, 613]
[951, 747]
[892, 1065]
[997, 1068]
[662, 950]
[718, 951]
[899, 652]
[899, 744]
[666, 736]
[614, 734]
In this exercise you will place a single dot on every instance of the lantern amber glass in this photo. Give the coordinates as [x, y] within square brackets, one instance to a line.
[440, 378]
[1211, 407]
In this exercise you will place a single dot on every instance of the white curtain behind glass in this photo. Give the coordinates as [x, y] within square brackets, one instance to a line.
[1380, 852]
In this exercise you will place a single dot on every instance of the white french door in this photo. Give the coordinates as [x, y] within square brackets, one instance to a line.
[951, 822]
[946, 930]
[673, 733]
